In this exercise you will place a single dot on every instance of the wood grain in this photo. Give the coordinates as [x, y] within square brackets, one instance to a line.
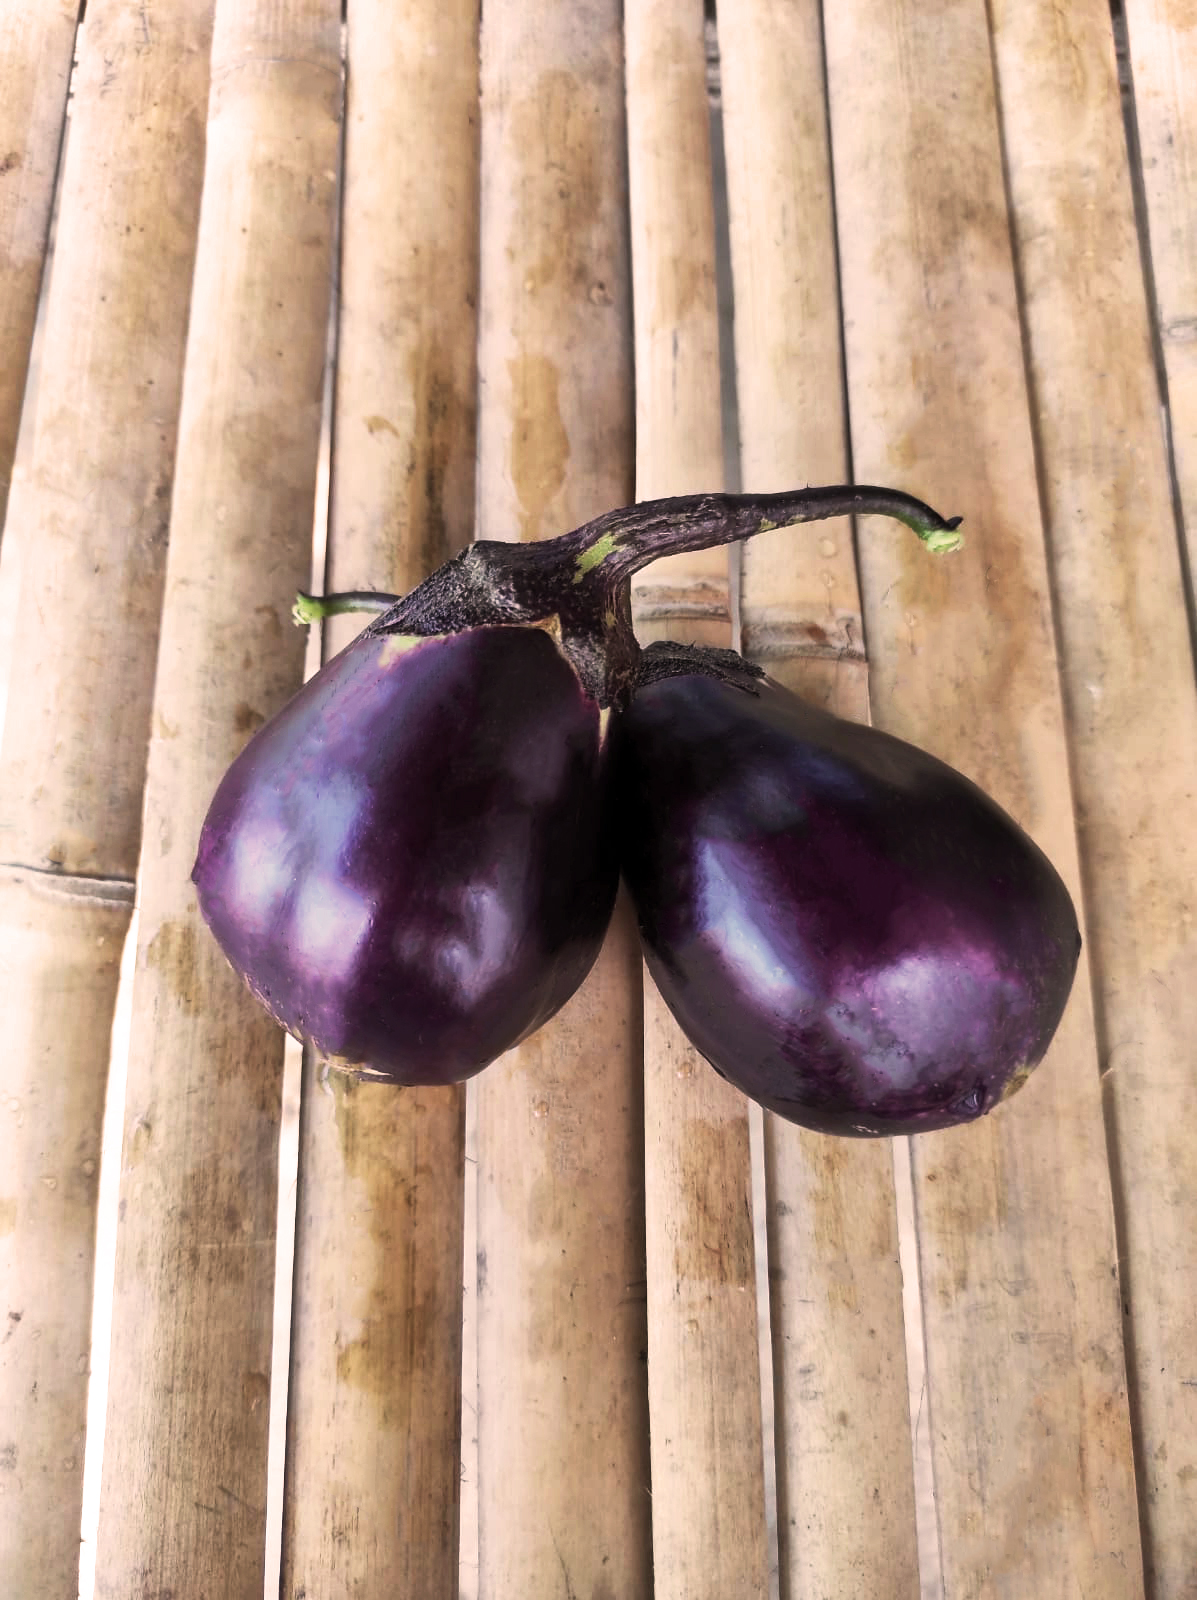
[92, 515]
[845, 1518]
[704, 1381]
[1130, 694]
[182, 1505]
[1026, 1385]
[562, 1427]
[36, 47]
[373, 1435]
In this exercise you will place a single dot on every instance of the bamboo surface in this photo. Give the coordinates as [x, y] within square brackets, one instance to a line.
[36, 47]
[939, 282]
[1162, 36]
[182, 1504]
[90, 518]
[1118, 581]
[373, 1445]
[562, 1424]
[704, 1379]
[1024, 1351]
[839, 1380]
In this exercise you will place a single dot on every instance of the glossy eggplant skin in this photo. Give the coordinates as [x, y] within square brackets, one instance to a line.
[849, 930]
[411, 865]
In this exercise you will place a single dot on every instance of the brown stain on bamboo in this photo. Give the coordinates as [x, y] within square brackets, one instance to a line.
[553, 127]
[173, 953]
[835, 1167]
[8, 1215]
[246, 719]
[394, 1339]
[539, 441]
[255, 1390]
[706, 1250]
[443, 418]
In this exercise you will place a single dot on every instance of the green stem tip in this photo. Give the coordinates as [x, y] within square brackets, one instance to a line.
[309, 608]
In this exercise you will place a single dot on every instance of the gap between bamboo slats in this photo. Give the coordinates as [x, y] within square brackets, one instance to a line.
[183, 1489]
[1026, 1387]
[91, 516]
[373, 1442]
[562, 1426]
[704, 1380]
[36, 47]
[1162, 35]
[846, 1509]
[1131, 698]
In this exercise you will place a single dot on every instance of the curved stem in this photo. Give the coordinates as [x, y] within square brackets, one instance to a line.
[310, 608]
[619, 543]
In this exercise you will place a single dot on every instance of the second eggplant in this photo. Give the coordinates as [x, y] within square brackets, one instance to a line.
[848, 929]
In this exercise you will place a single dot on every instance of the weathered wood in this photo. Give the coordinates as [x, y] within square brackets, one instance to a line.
[845, 1513]
[184, 1481]
[91, 513]
[1026, 1385]
[562, 1428]
[704, 1380]
[36, 47]
[1162, 36]
[1129, 689]
[373, 1434]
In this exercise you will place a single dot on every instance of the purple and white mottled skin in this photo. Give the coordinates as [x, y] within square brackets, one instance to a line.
[409, 864]
[849, 930]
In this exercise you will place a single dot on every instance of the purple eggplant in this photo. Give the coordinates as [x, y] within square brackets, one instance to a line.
[413, 864]
[847, 929]
[412, 890]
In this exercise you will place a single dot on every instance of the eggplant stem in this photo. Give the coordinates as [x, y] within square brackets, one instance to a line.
[309, 608]
[620, 543]
[582, 578]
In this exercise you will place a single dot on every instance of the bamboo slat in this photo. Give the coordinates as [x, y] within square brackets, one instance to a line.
[1131, 698]
[846, 1518]
[704, 1381]
[91, 515]
[36, 47]
[679, 446]
[182, 1506]
[1026, 1387]
[1163, 53]
[373, 1448]
[562, 1427]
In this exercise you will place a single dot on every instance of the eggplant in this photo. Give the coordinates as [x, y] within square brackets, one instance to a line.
[413, 864]
[410, 890]
[849, 930]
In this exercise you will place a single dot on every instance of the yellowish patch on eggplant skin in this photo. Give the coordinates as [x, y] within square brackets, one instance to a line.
[394, 645]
